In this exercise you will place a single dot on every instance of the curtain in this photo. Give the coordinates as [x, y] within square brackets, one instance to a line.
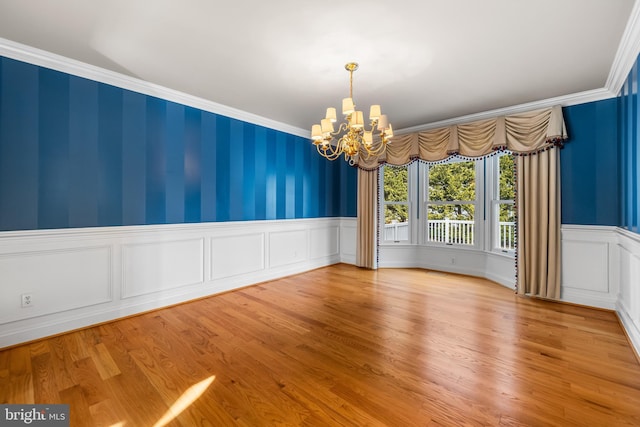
[366, 231]
[524, 133]
[538, 232]
[532, 137]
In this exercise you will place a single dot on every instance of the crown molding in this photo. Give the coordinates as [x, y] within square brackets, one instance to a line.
[565, 100]
[627, 52]
[625, 57]
[31, 55]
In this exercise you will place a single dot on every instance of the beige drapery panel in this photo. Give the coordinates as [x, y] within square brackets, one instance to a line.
[538, 211]
[531, 136]
[366, 231]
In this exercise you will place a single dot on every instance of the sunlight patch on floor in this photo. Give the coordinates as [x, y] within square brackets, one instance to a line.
[188, 397]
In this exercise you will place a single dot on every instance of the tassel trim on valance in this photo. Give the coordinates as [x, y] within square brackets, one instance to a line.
[521, 134]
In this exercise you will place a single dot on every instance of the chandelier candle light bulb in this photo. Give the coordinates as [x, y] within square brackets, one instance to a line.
[351, 137]
[347, 106]
[374, 112]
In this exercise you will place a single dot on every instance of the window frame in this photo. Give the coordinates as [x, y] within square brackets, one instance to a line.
[409, 203]
[493, 186]
[486, 213]
[478, 215]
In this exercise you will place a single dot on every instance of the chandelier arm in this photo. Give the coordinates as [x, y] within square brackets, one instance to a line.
[330, 154]
[342, 128]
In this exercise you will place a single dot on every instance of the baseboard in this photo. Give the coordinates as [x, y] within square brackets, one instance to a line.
[630, 327]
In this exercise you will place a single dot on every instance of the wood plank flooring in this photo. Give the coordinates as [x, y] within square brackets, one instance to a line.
[341, 346]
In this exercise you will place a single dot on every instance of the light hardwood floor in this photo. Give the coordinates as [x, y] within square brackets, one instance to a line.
[341, 346]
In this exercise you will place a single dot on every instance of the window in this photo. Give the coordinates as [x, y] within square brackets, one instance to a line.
[450, 203]
[504, 214]
[461, 203]
[395, 204]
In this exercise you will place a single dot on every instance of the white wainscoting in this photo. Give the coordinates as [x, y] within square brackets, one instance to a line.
[80, 277]
[159, 266]
[590, 265]
[348, 240]
[496, 267]
[628, 303]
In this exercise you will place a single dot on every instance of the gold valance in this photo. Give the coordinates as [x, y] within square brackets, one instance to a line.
[523, 133]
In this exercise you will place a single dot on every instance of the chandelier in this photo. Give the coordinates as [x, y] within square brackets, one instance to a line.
[351, 137]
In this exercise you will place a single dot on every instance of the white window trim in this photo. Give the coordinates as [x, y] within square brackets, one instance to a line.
[493, 194]
[478, 211]
[411, 184]
[486, 210]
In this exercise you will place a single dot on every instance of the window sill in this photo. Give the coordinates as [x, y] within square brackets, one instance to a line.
[404, 245]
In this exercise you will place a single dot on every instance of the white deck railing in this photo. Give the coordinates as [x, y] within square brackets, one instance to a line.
[396, 231]
[507, 236]
[452, 232]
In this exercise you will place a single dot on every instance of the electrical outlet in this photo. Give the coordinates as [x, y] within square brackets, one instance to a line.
[27, 300]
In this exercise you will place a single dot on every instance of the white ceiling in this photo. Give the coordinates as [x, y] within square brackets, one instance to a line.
[424, 61]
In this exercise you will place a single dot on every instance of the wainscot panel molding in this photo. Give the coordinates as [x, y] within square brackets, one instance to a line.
[348, 239]
[288, 247]
[161, 265]
[83, 276]
[237, 254]
[326, 242]
[628, 304]
[590, 258]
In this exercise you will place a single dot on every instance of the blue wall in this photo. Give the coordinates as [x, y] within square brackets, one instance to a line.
[629, 152]
[589, 165]
[77, 153]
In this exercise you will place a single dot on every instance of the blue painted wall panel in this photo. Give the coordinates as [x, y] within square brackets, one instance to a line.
[191, 163]
[249, 178]
[222, 166]
[174, 169]
[271, 184]
[156, 161]
[53, 145]
[109, 148]
[629, 128]
[82, 138]
[290, 180]
[631, 151]
[235, 168]
[134, 158]
[78, 153]
[19, 148]
[298, 172]
[281, 175]
[590, 186]
[260, 173]
[208, 160]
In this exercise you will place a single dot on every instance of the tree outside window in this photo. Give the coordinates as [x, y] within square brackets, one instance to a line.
[457, 202]
[451, 202]
[396, 203]
[506, 236]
